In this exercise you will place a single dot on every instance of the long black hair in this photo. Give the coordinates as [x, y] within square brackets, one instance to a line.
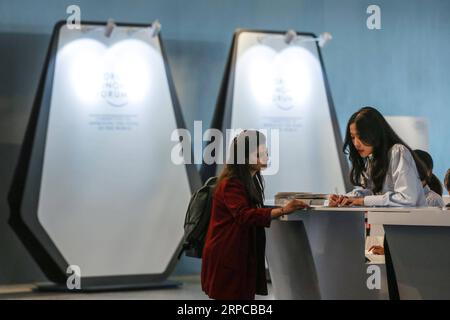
[447, 180]
[373, 130]
[433, 181]
[240, 167]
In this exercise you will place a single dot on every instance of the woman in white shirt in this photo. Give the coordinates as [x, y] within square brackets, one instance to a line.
[384, 169]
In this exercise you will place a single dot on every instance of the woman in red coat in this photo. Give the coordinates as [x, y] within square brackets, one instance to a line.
[233, 259]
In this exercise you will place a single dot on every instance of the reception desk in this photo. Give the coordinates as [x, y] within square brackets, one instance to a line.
[319, 254]
[417, 253]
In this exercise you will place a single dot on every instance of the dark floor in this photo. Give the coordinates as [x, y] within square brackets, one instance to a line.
[189, 290]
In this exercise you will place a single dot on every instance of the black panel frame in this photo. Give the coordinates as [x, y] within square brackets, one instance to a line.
[29, 168]
[223, 109]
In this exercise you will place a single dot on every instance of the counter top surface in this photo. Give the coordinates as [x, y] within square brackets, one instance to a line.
[426, 216]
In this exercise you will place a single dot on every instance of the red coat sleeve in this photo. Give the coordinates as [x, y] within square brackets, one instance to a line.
[237, 202]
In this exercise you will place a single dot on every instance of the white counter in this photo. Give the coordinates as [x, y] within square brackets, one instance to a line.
[411, 217]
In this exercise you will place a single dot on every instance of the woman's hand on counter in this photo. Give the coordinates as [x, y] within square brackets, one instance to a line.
[350, 202]
[290, 207]
[344, 201]
[293, 205]
[378, 250]
[334, 200]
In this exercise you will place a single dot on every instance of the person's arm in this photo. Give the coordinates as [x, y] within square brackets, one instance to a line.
[378, 250]
[359, 192]
[344, 201]
[236, 201]
[349, 198]
[277, 212]
[407, 186]
[290, 207]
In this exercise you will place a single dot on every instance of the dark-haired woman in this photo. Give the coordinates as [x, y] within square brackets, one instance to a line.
[431, 186]
[233, 258]
[384, 169]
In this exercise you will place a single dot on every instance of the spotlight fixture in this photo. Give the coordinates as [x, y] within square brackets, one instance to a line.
[109, 27]
[324, 38]
[289, 36]
[155, 28]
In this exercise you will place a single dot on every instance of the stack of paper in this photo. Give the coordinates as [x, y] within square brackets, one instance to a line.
[317, 199]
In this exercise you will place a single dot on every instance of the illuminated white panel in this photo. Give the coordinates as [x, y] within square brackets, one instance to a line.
[286, 75]
[111, 199]
[281, 86]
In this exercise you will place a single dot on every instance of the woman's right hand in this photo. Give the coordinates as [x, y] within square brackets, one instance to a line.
[378, 250]
[290, 207]
[335, 200]
[293, 205]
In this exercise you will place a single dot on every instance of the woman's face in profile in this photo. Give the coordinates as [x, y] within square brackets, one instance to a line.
[363, 149]
[260, 157]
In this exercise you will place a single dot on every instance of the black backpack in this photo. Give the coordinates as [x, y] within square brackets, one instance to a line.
[197, 219]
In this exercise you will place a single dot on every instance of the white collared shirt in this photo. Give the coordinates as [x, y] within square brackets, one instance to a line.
[433, 199]
[402, 186]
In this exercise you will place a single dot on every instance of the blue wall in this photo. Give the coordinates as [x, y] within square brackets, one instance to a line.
[402, 69]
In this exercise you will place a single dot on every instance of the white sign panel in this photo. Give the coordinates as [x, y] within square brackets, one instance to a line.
[281, 86]
[111, 199]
